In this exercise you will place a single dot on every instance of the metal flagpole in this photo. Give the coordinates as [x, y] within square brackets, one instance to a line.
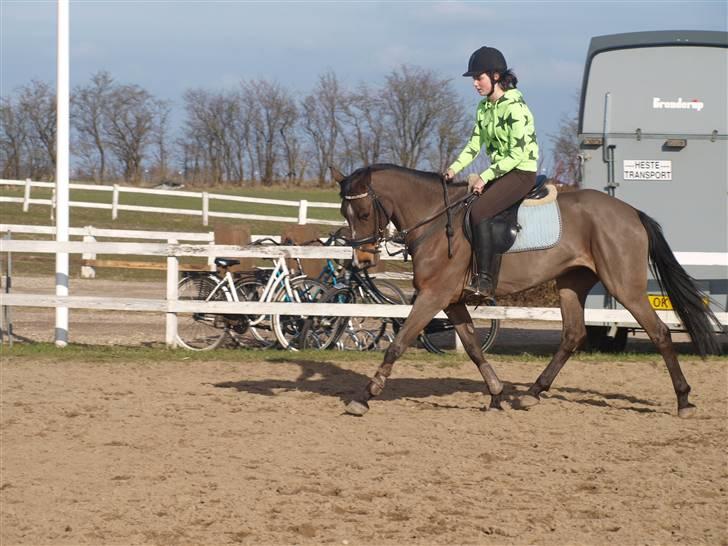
[62, 167]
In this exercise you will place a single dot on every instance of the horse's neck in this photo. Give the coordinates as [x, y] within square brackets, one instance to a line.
[416, 205]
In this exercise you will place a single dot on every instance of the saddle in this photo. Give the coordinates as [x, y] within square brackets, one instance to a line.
[504, 225]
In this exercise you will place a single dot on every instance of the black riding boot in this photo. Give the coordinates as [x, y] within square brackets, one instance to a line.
[483, 284]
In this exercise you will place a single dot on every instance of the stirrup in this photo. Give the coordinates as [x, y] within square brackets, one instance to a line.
[473, 296]
[477, 298]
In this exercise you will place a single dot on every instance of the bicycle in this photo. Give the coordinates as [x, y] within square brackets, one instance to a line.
[206, 331]
[280, 284]
[357, 286]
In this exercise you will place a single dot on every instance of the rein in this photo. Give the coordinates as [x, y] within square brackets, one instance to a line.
[378, 236]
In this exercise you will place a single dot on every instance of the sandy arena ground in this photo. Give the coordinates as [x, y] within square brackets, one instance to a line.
[259, 452]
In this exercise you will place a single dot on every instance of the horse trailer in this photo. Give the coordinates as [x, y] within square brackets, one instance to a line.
[652, 132]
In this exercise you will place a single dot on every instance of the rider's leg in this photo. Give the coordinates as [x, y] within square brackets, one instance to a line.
[487, 262]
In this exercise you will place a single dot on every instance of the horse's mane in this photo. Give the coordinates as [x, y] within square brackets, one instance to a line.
[366, 172]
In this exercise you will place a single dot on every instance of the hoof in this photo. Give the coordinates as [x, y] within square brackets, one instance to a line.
[357, 408]
[527, 401]
[495, 404]
[687, 412]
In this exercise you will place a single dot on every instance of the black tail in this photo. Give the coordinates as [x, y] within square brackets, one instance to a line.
[687, 300]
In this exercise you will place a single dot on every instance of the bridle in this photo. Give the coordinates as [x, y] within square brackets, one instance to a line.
[378, 237]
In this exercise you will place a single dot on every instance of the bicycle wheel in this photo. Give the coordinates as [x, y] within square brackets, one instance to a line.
[288, 328]
[439, 335]
[391, 293]
[200, 331]
[259, 332]
[323, 332]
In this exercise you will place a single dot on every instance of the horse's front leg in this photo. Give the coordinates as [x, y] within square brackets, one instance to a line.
[463, 323]
[425, 307]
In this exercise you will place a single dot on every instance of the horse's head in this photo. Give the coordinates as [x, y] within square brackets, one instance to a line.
[365, 214]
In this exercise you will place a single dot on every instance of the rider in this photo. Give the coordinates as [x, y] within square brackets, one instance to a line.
[505, 126]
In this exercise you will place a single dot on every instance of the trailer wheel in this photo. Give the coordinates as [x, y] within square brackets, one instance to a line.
[599, 341]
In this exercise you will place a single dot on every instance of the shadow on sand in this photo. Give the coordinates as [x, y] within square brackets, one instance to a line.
[327, 379]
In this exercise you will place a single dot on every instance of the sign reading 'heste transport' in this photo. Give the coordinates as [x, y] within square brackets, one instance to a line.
[647, 169]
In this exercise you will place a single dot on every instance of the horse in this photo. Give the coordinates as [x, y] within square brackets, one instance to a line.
[603, 239]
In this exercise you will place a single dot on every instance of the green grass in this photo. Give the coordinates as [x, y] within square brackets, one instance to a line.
[102, 354]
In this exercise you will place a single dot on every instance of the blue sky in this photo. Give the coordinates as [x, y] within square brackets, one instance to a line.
[170, 46]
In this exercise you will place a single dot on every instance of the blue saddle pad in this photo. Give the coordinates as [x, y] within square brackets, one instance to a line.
[541, 227]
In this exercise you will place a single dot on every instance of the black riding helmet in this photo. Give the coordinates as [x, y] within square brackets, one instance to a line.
[486, 60]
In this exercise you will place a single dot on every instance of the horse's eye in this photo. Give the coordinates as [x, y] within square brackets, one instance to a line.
[364, 216]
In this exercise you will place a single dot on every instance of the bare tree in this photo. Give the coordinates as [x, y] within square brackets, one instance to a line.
[322, 110]
[129, 127]
[271, 109]
[364, 130]
[162, 110]
[37, 103]
[13, 139]
[413, 101]
[211, 120]
[89, 107]
[447, 137]
[566, 147]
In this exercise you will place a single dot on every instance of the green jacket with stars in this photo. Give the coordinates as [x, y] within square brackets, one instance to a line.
[507, 131]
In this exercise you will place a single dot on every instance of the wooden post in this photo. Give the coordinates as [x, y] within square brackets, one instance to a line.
[205, 208]
[172, 280]
[298, 234]
[88, 271]
[211, 259]
[234, 234]
[115, 202]
[53, 202]
[26, 195]
[302, 212]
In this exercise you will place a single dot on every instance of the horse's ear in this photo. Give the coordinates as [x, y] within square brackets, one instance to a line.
[336, 174]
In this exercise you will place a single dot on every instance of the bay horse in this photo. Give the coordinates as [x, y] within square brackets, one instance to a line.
[603, 239]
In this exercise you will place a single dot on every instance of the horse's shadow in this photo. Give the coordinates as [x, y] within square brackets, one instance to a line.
[327, 379]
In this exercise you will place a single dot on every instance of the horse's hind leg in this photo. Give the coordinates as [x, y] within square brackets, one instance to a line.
[424, 308]
[660, 335]
[463, 323]
[573, 288]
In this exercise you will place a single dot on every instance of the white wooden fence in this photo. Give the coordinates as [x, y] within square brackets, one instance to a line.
[170, 305]
[204, 211]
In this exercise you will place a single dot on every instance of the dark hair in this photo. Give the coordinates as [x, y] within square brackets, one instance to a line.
[508, 79]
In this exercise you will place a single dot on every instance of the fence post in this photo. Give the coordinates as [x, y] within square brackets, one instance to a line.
[115, 202]
[211, 258]
[302, 211]
[5, 319]
[205, 207]
[172, 280]
[26, 195]
[88, 271]
[53, 202]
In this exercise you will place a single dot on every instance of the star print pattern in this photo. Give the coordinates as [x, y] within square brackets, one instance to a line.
[507, 132]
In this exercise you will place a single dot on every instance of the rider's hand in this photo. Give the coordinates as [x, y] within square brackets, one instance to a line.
[478, 186]
[449, 175]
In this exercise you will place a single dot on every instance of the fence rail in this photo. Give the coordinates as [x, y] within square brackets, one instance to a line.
[204, 211]
[171, 305]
